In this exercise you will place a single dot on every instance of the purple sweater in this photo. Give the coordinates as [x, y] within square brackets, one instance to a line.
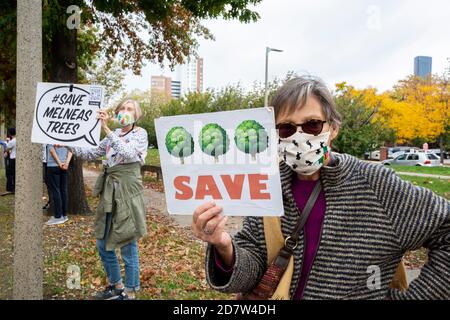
[302, 190]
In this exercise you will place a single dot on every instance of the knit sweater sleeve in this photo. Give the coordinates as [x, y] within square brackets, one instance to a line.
[91, 153]
[135, 148]
[249, 256]
[419, 218]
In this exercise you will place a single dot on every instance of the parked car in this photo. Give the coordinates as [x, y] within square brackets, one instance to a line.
[414, 159]
[396, 151]
[438, 153]
[374, 155]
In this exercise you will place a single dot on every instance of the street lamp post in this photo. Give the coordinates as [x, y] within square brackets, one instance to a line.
[266, 91]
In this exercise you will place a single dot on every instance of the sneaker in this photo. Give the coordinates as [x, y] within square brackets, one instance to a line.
[122, 296]
[65, 218]
[110, 293]
[53, 221]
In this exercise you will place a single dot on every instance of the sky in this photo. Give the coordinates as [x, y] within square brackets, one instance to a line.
[365, 43]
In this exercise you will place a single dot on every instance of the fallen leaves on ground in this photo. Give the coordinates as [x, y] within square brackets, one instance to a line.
[415, 259]
[171, 261]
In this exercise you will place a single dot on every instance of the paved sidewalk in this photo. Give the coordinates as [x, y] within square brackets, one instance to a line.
[425, 175]
[156, 204]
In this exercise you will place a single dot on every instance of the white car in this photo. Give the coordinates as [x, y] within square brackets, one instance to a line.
[414, 159]
[374, 155]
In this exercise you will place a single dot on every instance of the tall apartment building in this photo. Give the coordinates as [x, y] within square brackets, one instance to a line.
[161, 85]
[186, 78]
[422, 66]
[190, 76]
[176, 89]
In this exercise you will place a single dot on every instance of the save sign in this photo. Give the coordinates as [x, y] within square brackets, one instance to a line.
[229, 157]
[66, 114]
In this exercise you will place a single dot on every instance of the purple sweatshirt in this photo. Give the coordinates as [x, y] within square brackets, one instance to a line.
[301, 190]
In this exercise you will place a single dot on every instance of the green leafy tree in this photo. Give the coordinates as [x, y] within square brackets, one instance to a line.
[108, 74]
[358, 132]
[172, 29]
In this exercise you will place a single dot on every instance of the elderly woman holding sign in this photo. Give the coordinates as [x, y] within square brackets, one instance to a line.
[120, 220]
[347, 223]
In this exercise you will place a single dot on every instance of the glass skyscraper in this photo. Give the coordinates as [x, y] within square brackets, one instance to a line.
[422, 66]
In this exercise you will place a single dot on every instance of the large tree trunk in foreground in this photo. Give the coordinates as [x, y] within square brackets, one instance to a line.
[63, 61]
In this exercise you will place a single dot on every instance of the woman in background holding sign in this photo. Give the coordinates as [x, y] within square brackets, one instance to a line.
[120, 220]
[347, 222]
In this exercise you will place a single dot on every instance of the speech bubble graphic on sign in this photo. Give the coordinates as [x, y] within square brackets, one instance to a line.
[66, 114]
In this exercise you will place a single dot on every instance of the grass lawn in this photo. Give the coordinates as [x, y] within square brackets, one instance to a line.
[171, 260]
[442, 171]
[152, 157]
[439, 186]
[6, 242]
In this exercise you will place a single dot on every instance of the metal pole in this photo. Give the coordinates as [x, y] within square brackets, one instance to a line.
[266, 84]
[266, 91]
[28, 258]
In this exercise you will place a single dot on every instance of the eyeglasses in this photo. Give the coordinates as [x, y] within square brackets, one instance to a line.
[287, 129]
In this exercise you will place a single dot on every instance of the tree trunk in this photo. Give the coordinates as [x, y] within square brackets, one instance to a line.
[63, 61]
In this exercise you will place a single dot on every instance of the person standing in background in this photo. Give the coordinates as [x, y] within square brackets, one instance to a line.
[11, 166]
[44, 171]
[5, 155]
[58, 159]
[121, 214]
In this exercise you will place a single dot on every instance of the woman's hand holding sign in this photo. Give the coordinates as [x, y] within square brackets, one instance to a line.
[103, 115]
[208, 225]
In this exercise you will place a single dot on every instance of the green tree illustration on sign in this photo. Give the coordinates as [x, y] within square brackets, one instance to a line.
[214, 140]
[179, 143]
[251, 137]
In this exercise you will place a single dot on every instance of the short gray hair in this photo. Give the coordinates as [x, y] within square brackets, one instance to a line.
[295, 92]
[137, 108]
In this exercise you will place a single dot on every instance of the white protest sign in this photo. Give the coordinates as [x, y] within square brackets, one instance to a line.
[229, 157]
[66, 114]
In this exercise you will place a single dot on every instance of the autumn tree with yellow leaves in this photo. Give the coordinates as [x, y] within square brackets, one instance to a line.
[362, 129]
[416, 111]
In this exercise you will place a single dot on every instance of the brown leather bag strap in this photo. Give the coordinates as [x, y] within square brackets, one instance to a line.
[291, 242]
[271, 278]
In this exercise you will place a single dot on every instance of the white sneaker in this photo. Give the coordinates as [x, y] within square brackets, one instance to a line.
[65, 218]
[54, 220]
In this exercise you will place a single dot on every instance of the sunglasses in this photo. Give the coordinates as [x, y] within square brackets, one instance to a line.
[287, 129]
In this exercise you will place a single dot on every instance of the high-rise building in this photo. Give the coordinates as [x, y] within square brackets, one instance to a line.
[422, 66]
[190, 76]
[200, 75]
[186, 78]
[161, 85]
[176, 89]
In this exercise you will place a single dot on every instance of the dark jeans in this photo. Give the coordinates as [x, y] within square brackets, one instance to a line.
[11, 175]
[57, 189]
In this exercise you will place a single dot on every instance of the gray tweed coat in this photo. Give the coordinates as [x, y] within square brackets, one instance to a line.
[372, 218]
